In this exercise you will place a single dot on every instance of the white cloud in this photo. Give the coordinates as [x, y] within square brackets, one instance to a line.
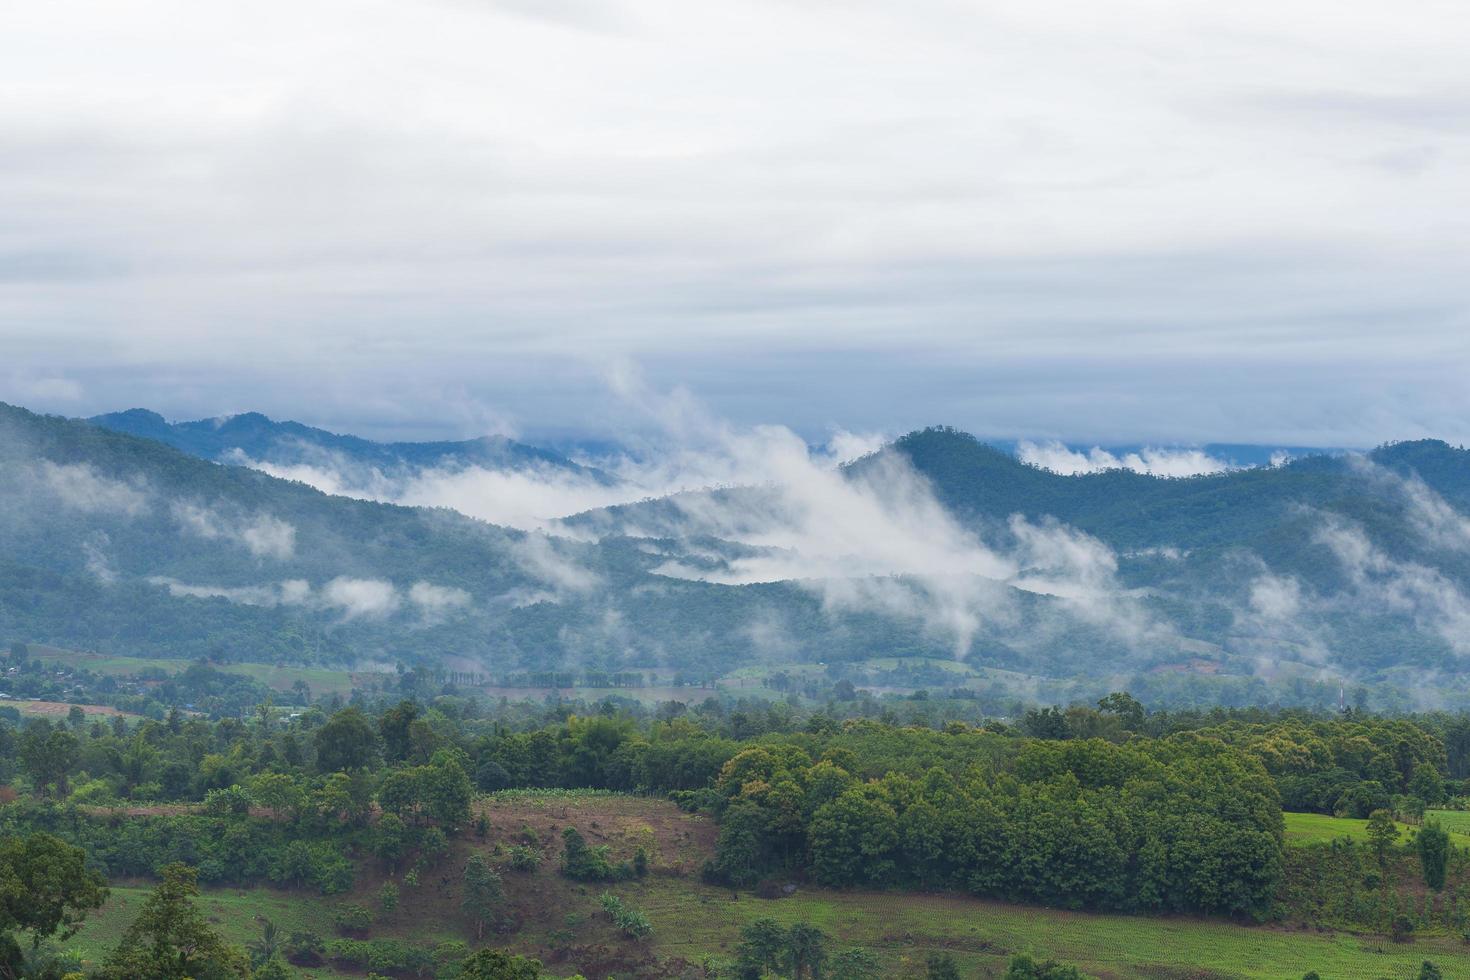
[356, 597]
[436, 600]
[94, 551]
[80, 487]
[543, 558]
[262, 535]
[292, 592]
[1381, 583]
[1059, 458]
[1194, 207]
[1276, 598]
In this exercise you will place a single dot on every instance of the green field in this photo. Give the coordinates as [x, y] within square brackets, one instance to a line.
[1457, 822]
[1315, 828]
[903, 929]
[322, 680]
[693, 921]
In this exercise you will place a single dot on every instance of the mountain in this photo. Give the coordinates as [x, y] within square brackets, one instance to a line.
[1246, 586]
[121, 544]
[260, 439]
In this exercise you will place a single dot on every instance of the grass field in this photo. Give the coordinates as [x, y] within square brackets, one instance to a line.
[60, 709]
[323, 680]
[560, 922]
[1314, 828]
[1457, 822]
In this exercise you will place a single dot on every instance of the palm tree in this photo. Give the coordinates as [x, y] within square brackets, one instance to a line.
[264, 949]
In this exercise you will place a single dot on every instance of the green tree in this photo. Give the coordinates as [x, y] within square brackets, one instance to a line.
[271, 969]
[1382, 833]
[278, 793]
[483, 893]
[1428, 971]
[446, 788]
[170, 939]
[940, 966]
[497, 964]
[48, 755]
[806, 950]
[264, 948]
[390, 839]
[1025, 968]
[46, 890]
[853, 964]
[395, 725]
[346, 742]
[1433, 845]
[762, 947]
[1128, 709]
[853, 839]
[388, 896]
[1427, 784]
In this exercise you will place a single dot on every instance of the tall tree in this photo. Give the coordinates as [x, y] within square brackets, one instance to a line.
[482, 893]
[1382, 833]
[170, 939]
[806, 950]
[346, 742]
[48, 755]
[46, 890]
[1433, 845]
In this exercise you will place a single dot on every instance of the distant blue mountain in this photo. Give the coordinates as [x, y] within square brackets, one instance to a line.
[263, 439]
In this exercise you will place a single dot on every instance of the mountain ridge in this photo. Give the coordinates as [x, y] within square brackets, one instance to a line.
[287, 443]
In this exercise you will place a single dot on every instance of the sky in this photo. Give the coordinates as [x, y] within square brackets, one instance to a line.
[1136, 222]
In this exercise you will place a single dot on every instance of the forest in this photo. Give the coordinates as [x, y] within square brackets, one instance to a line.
[1110, 808]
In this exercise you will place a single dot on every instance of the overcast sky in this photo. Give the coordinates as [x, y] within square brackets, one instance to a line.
[1128, 221]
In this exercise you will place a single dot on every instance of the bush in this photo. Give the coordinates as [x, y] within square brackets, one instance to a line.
[233, 801]
[582, 863]
[633, 923]
[350, 917]
[1025, 968]
[523, 858]
[388, 896]
[304, 948]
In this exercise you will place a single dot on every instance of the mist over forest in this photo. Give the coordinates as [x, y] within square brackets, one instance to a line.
[1195, 580]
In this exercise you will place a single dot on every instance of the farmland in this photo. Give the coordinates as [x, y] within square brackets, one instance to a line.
[560, 921]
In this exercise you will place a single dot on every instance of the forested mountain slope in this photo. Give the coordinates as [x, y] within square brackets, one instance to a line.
[1326, 569]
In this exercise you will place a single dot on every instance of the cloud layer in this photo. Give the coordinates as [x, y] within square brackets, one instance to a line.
[1038, 217]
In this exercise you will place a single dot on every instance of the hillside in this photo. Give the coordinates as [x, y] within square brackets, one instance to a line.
[561, 921]
[1273, 582]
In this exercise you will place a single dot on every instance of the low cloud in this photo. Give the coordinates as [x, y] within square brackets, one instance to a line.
[434, 601]
[94, 553]
[544, 558]
[79, 486]
[291, 592]
[1058, 458]
[262, 535]
[355, 597]
[1276, 598]
[1382, 583]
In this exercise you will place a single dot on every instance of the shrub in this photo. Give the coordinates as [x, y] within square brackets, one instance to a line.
[523, 858]
[304, 948]
[351, 917]
[232, 801]
[582, 863]
[388, 896]
[633, 923]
